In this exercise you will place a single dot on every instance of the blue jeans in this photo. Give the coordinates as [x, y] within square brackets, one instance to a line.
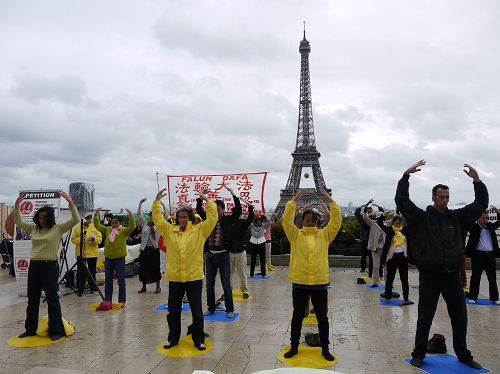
[118, 264]
[223, 263]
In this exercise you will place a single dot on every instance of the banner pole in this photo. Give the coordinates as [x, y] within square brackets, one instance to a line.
[157, 182]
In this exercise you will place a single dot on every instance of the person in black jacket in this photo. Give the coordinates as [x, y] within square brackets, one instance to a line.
[437, 247]
[364, 233]
[218, 258]
[237, 251]
[481, 248]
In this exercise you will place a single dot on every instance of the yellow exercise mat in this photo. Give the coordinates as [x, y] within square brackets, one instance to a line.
[466, 289]
[238, 296]
[113, 307]
[309, 320]
[43, 327]
[308, 357]
[270, 269]
[184, 349]
[30, 341]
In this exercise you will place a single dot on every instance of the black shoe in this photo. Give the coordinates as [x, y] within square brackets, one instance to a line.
[143, 289]
[473, 364]
[327, 355]
[25, 334]
[292, 352]
[407, 302]
[417, 361]
[201, 347]
[56, 337]
[169, 345]
[374, 285]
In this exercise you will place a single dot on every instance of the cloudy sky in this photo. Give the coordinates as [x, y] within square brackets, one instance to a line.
[111, 92]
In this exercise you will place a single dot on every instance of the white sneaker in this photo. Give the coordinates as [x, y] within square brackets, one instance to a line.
[497, 302]
[472, 301]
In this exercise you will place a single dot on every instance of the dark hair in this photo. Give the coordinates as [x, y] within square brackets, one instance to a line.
[257, 219]
[263, 218]
[118, 218]
[220, 203]
[51, 218]
[186, 209]
[435, 188]
[397, 218]
[314, 213]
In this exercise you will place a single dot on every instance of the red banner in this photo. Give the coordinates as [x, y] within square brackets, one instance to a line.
[182, 189]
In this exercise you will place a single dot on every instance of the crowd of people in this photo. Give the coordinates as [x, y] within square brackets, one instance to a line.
[204, 241]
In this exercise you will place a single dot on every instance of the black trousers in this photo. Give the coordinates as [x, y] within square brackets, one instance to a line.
[259, 249]
[483, 261]
[397, 262]
[319, 299]
[82, 273]
[433, 284]
[43, 275]
[176, 291]
[364, 254]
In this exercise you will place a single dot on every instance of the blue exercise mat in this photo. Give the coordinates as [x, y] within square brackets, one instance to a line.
[380, 287]
[392, 302]
[446, 364]
[486, 302]
[221, 317]
[164, 307]
[259, 277]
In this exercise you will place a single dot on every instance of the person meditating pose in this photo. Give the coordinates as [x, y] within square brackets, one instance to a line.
[43, 271]
[184, 265]
[436, 245]
[308, 270]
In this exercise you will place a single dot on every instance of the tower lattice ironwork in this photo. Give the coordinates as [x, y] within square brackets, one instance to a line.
[305, 154]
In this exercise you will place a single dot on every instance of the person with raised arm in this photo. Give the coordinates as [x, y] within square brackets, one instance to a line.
[309, 269]
[184, 265]
[149, 257]
[43, 271]
[115, 251]
[436, 246]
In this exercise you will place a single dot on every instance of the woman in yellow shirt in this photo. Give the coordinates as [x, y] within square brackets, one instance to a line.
[308, 271]
[184, 265]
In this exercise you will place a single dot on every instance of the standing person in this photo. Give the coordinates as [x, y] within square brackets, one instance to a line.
[43, 271]
[184, 266]
[482, 247]
[268, 244]
[364, 234]
[376, 241]
[395, 250]
[91, 239]
[437, 237]
[115, 251]
[238, 254]
[308, 270]
[257, 242]
[218, 258]
[149, 257]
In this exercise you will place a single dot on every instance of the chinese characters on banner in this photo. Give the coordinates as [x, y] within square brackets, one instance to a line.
[182, 189]
[33, 200]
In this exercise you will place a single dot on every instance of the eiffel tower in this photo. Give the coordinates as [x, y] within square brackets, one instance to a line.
[305, 154]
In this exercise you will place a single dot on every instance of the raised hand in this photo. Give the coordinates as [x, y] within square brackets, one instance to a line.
[415, 167]
[19, 199]
[471, 172]
[326, 194]
[229, 189]
[161, 194]
[246, 201]
[129, 211]
[203, 196]
[495, 209]
[298, 195]
[142, 200]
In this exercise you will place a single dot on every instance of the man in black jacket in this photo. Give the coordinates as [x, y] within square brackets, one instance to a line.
[217, 257]
[437, 237]
[237, 251]
[481, 248]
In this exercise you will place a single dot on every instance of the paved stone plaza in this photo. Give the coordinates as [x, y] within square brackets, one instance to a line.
[367, 338]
